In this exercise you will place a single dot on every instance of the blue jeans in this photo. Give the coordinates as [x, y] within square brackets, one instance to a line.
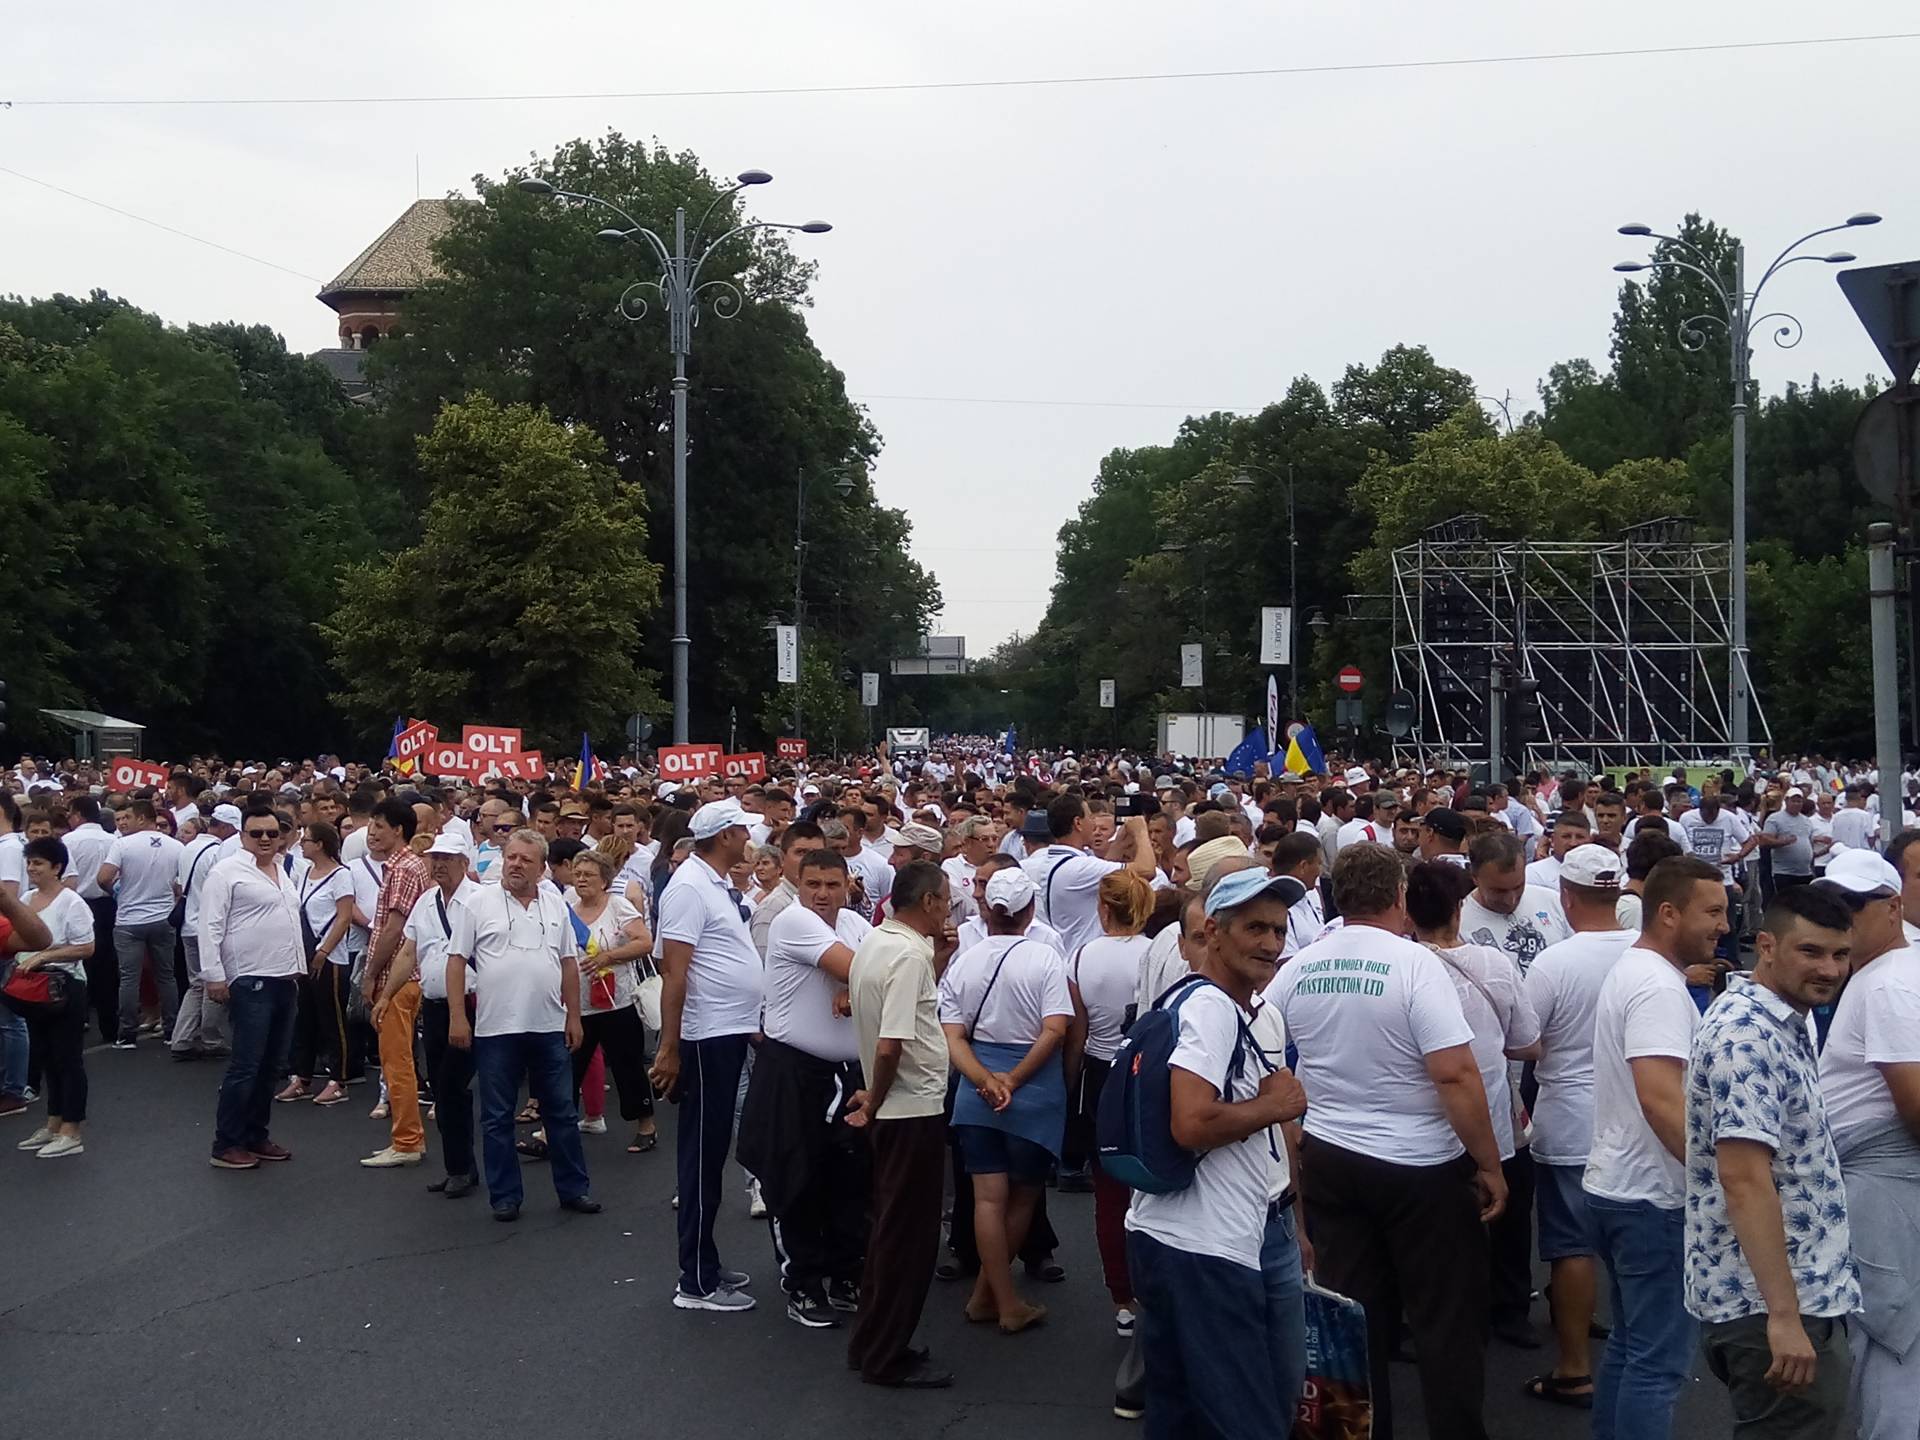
[709, 1084]
[260, 1011]
[13, 1044]
[1286, 1312]
[499, 1063]
[1202, 1324]
[1654, 1339]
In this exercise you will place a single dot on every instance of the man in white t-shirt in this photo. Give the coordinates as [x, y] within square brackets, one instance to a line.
[142, 863]
[1564, 988]
[797, 841]
[1400, 1157]
[201, 1026]
[975, 837]
[1361, 826]
[1068, 878]
[1857, 827]
[1635, 1184]
[423, 951]
[1570, 828]
[518, 937]
[794, 1134]
[1870, 1081]
[1217, 1265]
[1505, 910]
[709, 1010]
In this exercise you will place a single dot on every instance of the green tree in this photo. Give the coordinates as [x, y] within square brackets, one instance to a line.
[522, 602]
[528, 313]
[198, 534]
[829, 706]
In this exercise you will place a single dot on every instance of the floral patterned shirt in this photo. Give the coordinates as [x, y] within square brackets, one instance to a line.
[1754, 1076]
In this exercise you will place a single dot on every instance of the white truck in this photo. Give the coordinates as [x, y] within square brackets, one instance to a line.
[1199, 736]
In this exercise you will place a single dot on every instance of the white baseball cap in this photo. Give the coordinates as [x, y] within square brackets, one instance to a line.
[448, 842]
[1593, 866]
[1357, 775]
[228, 815]
[1864, 872]
[717, 815]
[1010, 890]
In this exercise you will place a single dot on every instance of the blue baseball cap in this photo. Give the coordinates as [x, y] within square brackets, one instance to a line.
[1245, 886]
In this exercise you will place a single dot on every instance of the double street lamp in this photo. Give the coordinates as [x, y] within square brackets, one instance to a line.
[678, 290]
[1737, 315]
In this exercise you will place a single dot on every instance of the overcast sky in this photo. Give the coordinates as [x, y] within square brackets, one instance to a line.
[1019, 279]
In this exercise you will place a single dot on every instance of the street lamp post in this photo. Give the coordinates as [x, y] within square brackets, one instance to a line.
[1243, 482]
[1738, 317]
[679, 289]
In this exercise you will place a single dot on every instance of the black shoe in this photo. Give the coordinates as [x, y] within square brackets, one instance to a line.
[916, 1354]
[582, 1205]
[459, 1186]
[844, 1296]
[949, 1270]
[506, 1214]
[1519, 1333]
[921, 1375]
[810, 1312]
[1048, 1272]
[439, 1185]
[1076, 1182]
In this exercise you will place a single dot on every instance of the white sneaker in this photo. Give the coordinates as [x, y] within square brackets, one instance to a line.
[720, 1299]
[63, 1145]
[391, 1158]
[40, 1137]
[756, 1202]
[1123, 1322]
[594, 1125]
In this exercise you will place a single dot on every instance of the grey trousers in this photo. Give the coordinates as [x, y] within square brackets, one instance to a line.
[202, 1023]
[1884, 1391]
[131, 944]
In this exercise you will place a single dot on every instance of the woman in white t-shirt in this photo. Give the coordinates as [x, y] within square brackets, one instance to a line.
[326, 915]
[58, 1032]
[1102, 978]
[1006, 1009]
[613, 939]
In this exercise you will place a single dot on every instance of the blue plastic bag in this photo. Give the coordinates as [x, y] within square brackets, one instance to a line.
[1337, 1400]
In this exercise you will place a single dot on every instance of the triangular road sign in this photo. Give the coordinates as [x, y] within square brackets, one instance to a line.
[1887, 300]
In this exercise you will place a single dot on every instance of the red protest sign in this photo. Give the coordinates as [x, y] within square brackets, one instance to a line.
[490, 740]
[527, 765]
[689, 762]
[788, 749]
[750, 766]
[125, 774]
[408, 744]
[443, 759]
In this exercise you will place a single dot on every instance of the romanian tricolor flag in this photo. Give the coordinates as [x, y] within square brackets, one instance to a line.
[590, 769]
[405, 767]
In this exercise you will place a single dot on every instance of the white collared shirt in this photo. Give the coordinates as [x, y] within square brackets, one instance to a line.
[430, 925]
[519, 955]
[250, 922]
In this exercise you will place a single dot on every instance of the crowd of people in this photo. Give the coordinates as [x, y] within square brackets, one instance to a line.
[1660, 1034]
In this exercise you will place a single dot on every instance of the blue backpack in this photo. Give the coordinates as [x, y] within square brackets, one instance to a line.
[1134, 1125]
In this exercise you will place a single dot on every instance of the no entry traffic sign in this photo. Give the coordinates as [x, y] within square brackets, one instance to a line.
[1349, 679]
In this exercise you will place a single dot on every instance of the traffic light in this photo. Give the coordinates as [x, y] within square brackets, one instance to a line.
[1521, 729]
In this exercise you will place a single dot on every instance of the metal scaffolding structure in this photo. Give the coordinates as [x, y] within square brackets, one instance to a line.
[1627, 638]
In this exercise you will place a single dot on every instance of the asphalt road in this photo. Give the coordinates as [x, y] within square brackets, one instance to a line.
[144, 1294]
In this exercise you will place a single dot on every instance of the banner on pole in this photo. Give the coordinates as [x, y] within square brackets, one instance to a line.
[1273, 705]
[1276, 635]
[786, 652]
[681, 763]
[751, 766]
[1107, 689]
[1190, 666]
[869, 688]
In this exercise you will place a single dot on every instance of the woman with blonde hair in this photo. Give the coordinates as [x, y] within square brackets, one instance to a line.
[1102, 977]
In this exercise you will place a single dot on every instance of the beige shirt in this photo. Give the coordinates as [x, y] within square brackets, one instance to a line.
[894, 998]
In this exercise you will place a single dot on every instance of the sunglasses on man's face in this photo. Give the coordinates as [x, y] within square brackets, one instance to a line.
[503, 829]
[263, 834]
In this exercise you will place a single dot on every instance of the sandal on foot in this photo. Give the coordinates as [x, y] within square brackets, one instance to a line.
[641, 1144]
[1562, 1390]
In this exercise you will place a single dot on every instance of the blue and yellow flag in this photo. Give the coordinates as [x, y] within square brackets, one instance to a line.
[405, 767]
[587, 763]
[1304, 756]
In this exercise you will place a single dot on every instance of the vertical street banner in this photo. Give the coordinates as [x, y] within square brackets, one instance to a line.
[1273, 706]
[1190, 667]
[786, 654]
[1107, 689]
[1276, 635]
[869, 688]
